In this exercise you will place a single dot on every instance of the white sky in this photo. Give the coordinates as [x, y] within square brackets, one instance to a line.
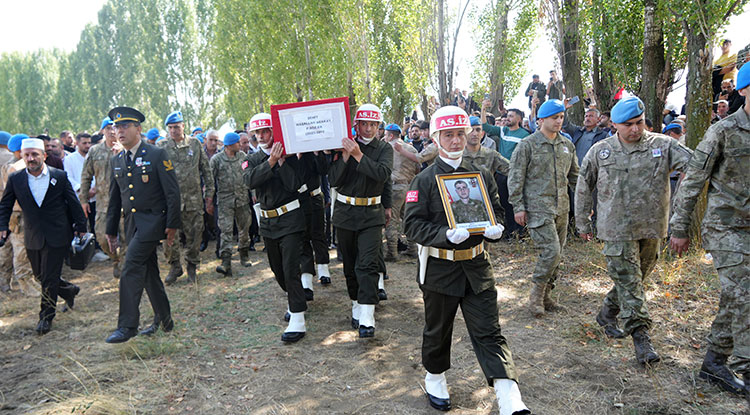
[33, 24]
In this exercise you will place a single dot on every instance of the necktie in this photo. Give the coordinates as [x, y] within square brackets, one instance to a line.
[129, 158]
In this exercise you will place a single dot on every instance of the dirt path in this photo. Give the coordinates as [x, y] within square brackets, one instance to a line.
[225, 355]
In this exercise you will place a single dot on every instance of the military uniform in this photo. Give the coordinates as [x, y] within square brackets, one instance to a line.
[467, 280]
[314, 246]
[488, 158]
[232, 200]
[722, 159]
[190, 165]
[14, 263]
[632, 185]
[428, 154]
[467, 212]
[404, 171]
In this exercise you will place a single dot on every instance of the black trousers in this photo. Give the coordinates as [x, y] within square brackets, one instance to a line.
[512, 229]
[46, 263]
[283, 255]
[141, 270]
[481, 316]
[363, 259]
[314, 246]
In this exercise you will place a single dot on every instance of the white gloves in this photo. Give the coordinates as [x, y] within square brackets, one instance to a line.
[456, 236]
[493, 232]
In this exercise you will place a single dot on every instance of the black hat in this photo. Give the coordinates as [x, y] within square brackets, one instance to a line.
[125, 114]
[423, 125]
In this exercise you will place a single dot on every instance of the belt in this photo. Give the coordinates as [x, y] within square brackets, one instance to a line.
[358, 201]
[457, 254]
[302, 189]
[281, 210]
[316, 192]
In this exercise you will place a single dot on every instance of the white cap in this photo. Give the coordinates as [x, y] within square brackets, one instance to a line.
[259, 121]
[447, 118]
[32, 143]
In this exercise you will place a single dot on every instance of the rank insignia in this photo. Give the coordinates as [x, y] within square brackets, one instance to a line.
[168, 165]
[604, 153]
[565, 150]
[190, 153]
[144, 178]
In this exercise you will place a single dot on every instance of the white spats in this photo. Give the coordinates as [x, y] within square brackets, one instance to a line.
[508, 397]
[355, 310]
[367, 315]
[323, 271]
[296, 323]
[381, 284]
[436, 385]
[307, 281]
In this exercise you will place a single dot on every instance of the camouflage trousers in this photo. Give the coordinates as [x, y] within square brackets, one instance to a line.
[549, 235]
[629, 263]
[730, 331]
[229, 213]
[192, 228]
[394, 228]
[15, 268]
[100, 229]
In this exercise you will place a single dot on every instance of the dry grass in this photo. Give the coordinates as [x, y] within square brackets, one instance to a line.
[225, 355]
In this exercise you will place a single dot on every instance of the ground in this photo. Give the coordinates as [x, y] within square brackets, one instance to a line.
[225, 354]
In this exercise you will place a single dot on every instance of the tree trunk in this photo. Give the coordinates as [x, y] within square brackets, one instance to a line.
[497, 86]
[442, 78]
[602, 80]
[654, 89]
[700, 59]
[569, 59]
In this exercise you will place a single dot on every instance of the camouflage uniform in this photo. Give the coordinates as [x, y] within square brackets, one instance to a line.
[404, 171]
[190, 165]
[722, 159]
[473, 211]
[489, 159]
[428, 154]
[14, 263]
[232, 199]
[632, 184]
[540, 172]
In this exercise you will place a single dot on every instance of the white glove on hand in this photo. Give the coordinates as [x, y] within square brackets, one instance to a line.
[494, 232]
[456, 236]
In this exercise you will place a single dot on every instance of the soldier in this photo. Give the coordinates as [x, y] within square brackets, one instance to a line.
[630, 172]
[232, 201]
[483, 156]
[276, 182]
[143, 190]
[360, 172]
[404, 171]
[190, 165]
[454, 270]
[97, 170]
[722, 159]
[314, 247]
[466, 209]
[6, 252]
[542, 167]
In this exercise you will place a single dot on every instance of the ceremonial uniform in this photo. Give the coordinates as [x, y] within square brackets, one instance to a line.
[404, 171]
[314, 246]
[232, 200]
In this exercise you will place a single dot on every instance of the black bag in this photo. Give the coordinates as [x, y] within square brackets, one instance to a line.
[81, 251]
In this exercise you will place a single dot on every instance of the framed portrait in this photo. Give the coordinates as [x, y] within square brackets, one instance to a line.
[466, 202]
[319, 125]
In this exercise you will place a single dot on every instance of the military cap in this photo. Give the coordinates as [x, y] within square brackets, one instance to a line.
[743, 77]
[173, 118]
[4, 137]
[474, 120]
[152, 134]
[201, 137]
[231, 138]
[125, 114]
[160, 138]
[627, 108]
[106, 122]
[393, 127]
[550, 108]
[14, 144]
[196, 129]
[672, 126]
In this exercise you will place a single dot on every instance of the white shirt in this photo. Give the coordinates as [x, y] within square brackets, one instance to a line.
[39, 185]
[73, 164]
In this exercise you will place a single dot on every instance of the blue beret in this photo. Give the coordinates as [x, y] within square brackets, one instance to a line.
[231, 138]
[152, 134]
[14, 144]
[196, 129]
[743, 77]
[106, 122]
[160, 138]
[173, 118]
[354, 132]
[627, 108]
[549, 108]
[4, 137]
[393, 127]
[201, 137]
[474, 121]
[672, 126]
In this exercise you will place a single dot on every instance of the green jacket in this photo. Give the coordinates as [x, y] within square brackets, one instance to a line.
[190, 165]
[230, 185]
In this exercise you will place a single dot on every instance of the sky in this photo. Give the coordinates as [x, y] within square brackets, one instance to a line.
[58, 25]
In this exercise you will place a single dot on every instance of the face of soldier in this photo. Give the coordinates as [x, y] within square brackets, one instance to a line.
[722, 108]
[176, 130]
[631, 130]
[265, 137]
[552, 124]
[390, 136]
[452, 141]
[129, 134]
[232, 149]
[367, 129]
[83, 145]
[590, 119]
[109, 135]
[212, 142]
[34, 159]
[475, 136]
[463, 190]
[674, 134]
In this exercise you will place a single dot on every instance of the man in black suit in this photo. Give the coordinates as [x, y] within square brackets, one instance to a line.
[144, 190]
[49, 204]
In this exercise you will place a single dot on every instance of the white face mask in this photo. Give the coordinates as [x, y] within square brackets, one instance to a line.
[366, 140]
[453, 155]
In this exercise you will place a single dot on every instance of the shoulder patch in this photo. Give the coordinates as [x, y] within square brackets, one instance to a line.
[604, 153]
[168, 165]
[412, 196]
[244, 164]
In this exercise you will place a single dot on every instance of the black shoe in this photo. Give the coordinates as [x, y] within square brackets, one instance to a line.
[121, 335]
[365, 331]
[70, 302]
[382, 296]
[439, 404]
[43, 327]
[715, 371]
[385, 276]
[325, 280]
[251, 248]
[287, 316]
[355, 323]
[150, 330]
[308, 294]
[644, 351]
[204, 245]
[607, 318]
[292, 336]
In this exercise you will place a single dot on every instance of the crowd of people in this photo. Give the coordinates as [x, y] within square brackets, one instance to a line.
[618, 178]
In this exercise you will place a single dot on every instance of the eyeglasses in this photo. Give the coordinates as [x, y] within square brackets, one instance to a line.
[122, 126]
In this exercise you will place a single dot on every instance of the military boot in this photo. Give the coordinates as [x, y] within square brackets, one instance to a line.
[226, 265]
[536, 301]
[715, 370]
[245, 257]
[174, 272]
[644, 351]
[607, 318]
[191, 268]
[391, 252]
[116, 271]
[411, 249]
[548, 302]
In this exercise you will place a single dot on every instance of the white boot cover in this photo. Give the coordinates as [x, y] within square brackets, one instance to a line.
[436, 385]
[508, 397]
[296, 323]
[367, 315]
[307, 280]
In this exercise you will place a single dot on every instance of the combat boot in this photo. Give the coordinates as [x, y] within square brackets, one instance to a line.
[191, 268]
[391, 252]
[536, 301]
[226, 265]
[548, 302]
[644, 351]
[607, 318]
[245, 257]
[174, 272]
[411, 249]
[116, 271]
[715, 370]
